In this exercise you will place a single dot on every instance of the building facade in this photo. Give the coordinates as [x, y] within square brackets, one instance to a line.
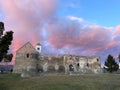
[30, 61]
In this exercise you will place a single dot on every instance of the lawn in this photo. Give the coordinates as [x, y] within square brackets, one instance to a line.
[81, 82]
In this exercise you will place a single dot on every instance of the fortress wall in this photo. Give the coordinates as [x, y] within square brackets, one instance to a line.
[51, 64]
[29, 62]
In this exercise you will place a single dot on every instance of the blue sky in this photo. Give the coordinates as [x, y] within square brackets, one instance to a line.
[102, 12]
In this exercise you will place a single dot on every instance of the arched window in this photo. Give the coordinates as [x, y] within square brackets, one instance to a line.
[97, 59]
[78, 65]
[87, 65]
[38, 48]
[27, 55]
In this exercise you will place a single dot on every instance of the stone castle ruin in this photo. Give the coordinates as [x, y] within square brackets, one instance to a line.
[30, 61]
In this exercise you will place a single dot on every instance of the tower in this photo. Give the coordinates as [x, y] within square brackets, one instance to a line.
[38, 48]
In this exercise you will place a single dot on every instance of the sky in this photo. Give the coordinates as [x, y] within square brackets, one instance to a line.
[79, 27]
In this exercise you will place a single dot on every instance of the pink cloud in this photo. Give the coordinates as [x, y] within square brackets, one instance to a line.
[117, 30]
[91, 38]
[26, 18]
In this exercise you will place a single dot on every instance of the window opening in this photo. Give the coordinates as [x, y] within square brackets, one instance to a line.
[87, 65]
[27, 55]
[97, 60]
[38, 48]
[71, 68]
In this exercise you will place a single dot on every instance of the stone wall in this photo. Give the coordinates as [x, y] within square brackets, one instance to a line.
[28, 62]
[82, 64]
[67, 64]
[51, 64]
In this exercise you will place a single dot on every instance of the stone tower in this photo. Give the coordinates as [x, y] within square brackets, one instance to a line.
[38, 47]
[26, 60]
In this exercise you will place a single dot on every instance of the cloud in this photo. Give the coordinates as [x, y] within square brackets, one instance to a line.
[26, 18]
[76, 18]
[79, 38]
[117, 30]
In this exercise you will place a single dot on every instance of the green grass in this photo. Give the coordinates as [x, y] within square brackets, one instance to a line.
[81, 82]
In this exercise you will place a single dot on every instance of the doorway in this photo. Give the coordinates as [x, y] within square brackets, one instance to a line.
[71, 68]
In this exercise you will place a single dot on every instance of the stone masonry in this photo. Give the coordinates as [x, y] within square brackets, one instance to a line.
[30, 62]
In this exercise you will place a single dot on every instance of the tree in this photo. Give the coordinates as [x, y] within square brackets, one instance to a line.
[111, 65]
[5, 41]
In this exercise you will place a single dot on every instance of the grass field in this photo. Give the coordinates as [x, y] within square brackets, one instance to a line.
[81, 82]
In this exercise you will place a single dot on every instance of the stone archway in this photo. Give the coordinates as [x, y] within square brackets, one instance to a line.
[71, 68]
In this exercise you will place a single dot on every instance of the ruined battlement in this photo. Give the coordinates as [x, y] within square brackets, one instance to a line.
[29, 61]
